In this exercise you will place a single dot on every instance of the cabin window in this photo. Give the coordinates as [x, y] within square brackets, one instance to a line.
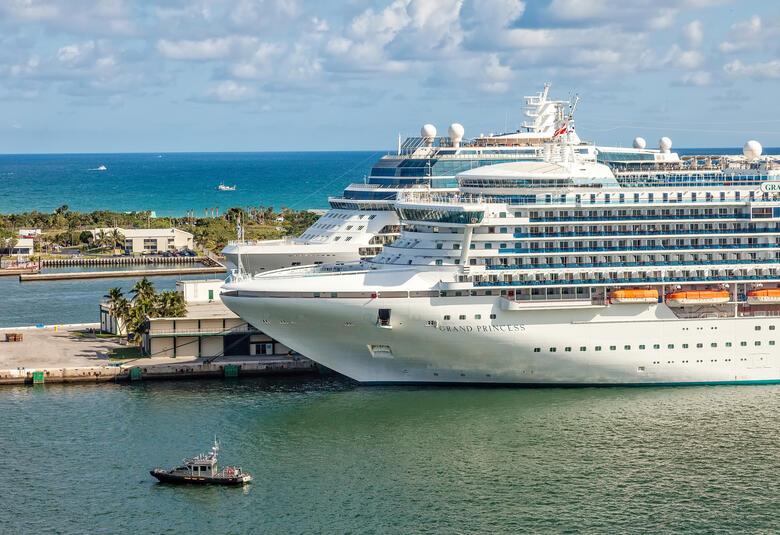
[743, 344]
[462, 317]
[728, 344]
[553, 350]
[477, 316]
[598, 348]
[567, 348]
[492, 316]
[537, 349]
[582, 348]
[627, 348]
[656, 346]
[446, 317]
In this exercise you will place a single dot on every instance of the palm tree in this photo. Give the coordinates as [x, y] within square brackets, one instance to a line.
[117, 239]
[143, 294]
[170, 304]
[119, 306]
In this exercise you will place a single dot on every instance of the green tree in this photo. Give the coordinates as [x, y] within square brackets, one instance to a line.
[170, 304]
[117, 239]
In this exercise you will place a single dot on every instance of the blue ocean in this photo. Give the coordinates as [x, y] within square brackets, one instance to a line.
[171, 184]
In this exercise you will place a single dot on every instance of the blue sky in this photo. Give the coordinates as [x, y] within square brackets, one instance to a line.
[249, 75]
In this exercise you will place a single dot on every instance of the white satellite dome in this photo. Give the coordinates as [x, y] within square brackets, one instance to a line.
[640, 143]
[428, 131]
[456, 131]
[752, 149]
[664, 144]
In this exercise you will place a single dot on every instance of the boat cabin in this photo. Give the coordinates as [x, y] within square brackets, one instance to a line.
[201, 466]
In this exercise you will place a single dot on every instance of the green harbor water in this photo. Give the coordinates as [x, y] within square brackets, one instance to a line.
[329, 456]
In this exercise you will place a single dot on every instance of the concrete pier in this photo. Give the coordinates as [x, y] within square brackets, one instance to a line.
[135, 273]
[59, 355]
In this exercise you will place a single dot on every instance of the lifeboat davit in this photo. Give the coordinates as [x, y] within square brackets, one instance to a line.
[763, 297]
[632, 296]
[697, 298]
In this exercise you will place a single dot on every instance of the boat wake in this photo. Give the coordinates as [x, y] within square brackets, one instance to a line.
[101, 168]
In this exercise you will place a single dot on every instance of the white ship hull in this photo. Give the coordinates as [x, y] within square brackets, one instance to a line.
[342, 335]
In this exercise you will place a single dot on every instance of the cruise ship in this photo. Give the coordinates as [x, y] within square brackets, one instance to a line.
[565, 271]
[363, 220]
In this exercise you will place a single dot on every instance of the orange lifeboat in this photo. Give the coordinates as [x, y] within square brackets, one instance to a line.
[633, 296]
[697, 298]
[764, 297]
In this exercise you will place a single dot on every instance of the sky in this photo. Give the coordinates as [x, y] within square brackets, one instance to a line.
[265, 75]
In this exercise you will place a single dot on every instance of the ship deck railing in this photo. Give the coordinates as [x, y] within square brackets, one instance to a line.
[628, 249]
[628, 217]
[632, 233]
[632, 280]
[590, 265]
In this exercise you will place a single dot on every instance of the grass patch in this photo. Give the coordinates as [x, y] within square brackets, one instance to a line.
[122, 353]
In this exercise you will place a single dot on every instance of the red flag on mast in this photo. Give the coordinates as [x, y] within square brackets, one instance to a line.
[561, 130]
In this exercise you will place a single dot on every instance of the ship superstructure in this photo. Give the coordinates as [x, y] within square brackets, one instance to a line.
[363, 219]
[560, 271]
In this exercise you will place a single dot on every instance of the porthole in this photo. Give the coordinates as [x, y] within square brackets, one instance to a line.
[714, 344]
[758, 327]
[656, 346]
[642, 346]
[685, 346]
[612, 348]
[553, 350]
[758, 343]
[670, 346]
[728, 344]
[462, 317]
[771, 327]
[699, 346]
[446, 317]
[743, 344]
[492, 316]
[567, 348]
[627, 348]
[598, 348]
[477, 316]
[582, 348]
[771, 342]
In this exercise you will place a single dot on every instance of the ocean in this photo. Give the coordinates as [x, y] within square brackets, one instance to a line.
[171, 184]
[329, 456]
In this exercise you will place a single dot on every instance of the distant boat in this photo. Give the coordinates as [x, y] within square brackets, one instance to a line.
[101, 168]
[223, 187]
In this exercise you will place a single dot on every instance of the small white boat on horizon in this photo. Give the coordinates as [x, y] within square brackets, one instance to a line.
[223, 187]
[101, 168]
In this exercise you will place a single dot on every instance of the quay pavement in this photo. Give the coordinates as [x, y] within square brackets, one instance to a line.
[64, 356]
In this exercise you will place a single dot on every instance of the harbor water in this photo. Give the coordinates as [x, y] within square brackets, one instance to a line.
[329, 456]
[68, 301]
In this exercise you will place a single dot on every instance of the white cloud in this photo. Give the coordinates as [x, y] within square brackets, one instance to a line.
[230, 91]
[697, 78]
[769, 70]
[694, 33]
[746, 35]
[76, 54]
[195, 50]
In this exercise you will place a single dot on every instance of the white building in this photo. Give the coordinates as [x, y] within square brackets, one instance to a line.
[153, 240]
[23, 247]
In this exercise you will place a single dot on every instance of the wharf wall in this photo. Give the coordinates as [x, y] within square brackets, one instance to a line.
[127, 260]
[139, 370]
[206, 270]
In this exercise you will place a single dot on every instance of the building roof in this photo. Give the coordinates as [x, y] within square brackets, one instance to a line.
[146, 232]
